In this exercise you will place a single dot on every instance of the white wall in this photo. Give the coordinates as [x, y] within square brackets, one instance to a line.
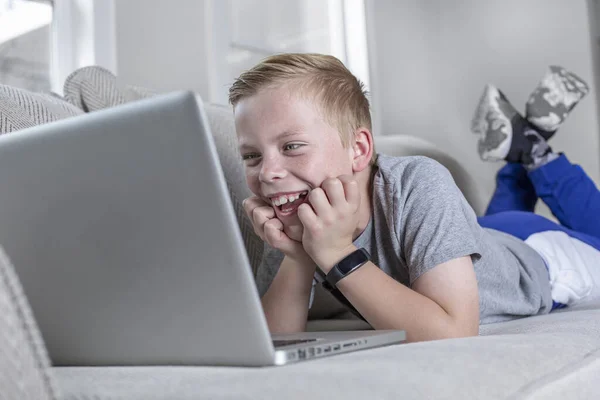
[435, 56]
[161, 44]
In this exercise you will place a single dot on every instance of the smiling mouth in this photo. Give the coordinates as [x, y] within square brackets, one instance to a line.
[289, 203]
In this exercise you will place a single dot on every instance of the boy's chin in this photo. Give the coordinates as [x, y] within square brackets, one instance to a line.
[294, 231]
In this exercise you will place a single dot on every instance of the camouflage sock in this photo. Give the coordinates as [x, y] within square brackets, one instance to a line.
[553, 99]
[541, 153]
[501, 129]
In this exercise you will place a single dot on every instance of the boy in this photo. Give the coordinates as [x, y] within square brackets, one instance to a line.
[394, 237]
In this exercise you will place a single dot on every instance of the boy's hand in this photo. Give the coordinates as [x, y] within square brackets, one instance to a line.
[330, 220]
[270, 229]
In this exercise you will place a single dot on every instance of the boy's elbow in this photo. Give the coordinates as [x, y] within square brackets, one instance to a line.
[467, 326]
[449, 333]
[440, 331]
[453, 328]
[464, 319]
[465, 331]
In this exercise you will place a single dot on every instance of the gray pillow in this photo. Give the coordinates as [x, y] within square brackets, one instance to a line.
[21, 109]
[94, 88]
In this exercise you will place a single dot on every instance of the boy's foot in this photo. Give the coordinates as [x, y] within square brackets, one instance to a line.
[552, 100]
[503, 133]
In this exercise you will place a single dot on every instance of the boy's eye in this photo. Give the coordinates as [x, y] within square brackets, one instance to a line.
[251, 156]
[292, 146]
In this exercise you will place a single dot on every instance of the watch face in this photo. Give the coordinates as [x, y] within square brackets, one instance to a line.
[351, 261]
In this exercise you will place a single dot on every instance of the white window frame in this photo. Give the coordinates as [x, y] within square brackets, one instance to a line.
[83, 33]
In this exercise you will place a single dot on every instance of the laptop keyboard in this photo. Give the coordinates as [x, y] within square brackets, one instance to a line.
[280, 343]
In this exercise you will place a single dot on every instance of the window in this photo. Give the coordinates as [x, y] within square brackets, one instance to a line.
[25, 50]
[242, 32]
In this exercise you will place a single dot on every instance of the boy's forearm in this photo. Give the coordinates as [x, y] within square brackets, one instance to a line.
[285, 303]
[399, 307]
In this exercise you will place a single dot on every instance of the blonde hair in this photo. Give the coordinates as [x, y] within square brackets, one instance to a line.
[342, 97]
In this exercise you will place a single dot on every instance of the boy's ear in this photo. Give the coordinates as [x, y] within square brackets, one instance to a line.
[362, 146]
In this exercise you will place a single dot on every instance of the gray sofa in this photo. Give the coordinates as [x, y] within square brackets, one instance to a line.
[556, 356]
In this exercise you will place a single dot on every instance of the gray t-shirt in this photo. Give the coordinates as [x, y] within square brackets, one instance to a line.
[421, 219]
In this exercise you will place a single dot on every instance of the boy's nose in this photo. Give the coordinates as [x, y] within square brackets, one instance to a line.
[271, 170]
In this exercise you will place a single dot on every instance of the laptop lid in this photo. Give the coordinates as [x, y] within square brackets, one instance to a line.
[123, 234]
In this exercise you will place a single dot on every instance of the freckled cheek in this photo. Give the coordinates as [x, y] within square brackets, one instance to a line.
[303, 168]
[301, 163]
[313, 170]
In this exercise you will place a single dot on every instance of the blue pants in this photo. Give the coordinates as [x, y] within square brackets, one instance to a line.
[565, 188]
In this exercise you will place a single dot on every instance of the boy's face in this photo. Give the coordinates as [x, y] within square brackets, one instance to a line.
[288, 149]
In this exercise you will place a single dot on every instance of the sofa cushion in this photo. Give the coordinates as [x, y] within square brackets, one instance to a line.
[555, 356]
[24, 362]
[563, 321]
[21, 109]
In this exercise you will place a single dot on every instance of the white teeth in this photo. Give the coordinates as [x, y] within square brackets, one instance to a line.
[281, 200]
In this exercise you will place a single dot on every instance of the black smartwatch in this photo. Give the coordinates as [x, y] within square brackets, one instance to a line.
[347, 265]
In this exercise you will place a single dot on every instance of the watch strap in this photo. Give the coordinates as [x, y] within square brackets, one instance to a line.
[335, 292]
[347, 265]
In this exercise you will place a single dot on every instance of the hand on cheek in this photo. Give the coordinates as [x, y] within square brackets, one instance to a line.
[270, 229]
[330, 218]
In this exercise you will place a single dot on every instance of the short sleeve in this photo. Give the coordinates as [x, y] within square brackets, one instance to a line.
[436, 223]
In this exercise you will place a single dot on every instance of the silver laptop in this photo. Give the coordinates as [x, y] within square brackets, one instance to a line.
[121, 229]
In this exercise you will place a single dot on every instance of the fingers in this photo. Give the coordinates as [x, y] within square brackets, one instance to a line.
[253, 202]
[307, 216]
[277, 238]
[273, 231]
[340, 191]
[350, 189]
[259, 213]
[334, 190]
[319, 202]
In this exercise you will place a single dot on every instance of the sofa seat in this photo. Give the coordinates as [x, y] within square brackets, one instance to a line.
[555, 356]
